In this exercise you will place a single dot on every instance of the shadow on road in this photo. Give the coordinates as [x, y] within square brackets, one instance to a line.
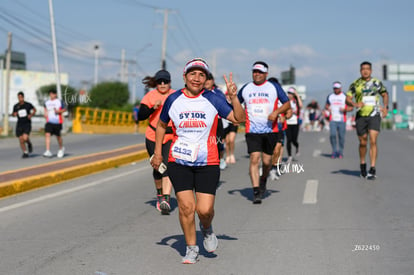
[326, 155]
[248, 193]
[347, 172]
[178, 243]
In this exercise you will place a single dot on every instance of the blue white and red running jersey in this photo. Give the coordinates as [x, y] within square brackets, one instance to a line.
[260, 101]
[51, 106]
[195, 126]
[337, 101]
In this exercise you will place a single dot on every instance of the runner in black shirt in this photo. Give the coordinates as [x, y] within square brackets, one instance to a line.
[24, 112]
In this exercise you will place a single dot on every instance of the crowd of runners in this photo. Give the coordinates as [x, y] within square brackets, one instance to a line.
[192, 131]
[205, 121]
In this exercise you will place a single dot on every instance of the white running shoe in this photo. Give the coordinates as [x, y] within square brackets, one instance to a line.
[210, 241]
[47, 154]
[273, 174]
[223, 164]
[61, 153]
[191, 255]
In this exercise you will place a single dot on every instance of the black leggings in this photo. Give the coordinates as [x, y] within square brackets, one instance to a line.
[292, 133]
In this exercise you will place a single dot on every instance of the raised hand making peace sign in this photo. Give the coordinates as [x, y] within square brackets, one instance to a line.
[231, 86]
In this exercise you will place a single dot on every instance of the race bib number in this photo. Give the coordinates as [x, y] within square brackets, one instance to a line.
[369, 100]
[185, 150]
[260, 110]
[336, 117]
[22, 113]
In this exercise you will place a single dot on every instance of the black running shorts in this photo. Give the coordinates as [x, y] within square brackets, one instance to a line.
[24, 128]
[53, 129]
[202, 179]
[261, 142]
[230, 128]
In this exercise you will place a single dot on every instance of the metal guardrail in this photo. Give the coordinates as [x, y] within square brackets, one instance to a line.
[94, 120]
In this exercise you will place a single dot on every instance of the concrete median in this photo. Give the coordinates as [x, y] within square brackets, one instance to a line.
[26, 179]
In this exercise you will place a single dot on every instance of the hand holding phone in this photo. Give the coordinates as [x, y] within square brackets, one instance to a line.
[162, 167]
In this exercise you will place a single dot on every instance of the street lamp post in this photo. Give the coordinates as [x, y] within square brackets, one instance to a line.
[55, 54]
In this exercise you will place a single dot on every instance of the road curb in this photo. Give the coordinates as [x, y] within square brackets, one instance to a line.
[13, 187]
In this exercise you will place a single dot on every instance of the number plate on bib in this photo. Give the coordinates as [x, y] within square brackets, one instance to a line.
[369, 100]
[185, 150]
[22, 113]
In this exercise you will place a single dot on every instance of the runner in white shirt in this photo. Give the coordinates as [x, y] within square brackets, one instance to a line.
[54, 109]
[193, 163]
[261, 98]
[336, 107]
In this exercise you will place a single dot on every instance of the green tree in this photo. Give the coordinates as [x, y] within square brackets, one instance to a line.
[70, 96]
[109, 95]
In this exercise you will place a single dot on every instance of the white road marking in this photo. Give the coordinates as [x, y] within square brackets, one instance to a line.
[322, 140]
[68, 191]
[316, 153]
[311, 192]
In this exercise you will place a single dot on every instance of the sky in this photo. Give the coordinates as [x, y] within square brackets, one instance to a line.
[324, 40]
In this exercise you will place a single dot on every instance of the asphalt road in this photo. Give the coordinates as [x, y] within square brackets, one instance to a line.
[322, 220]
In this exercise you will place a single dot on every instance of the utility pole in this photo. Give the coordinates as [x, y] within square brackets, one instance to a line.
[122, 73]
[164, 39]
[55, 55]
[135, 82]
[1, 88]
[96, 65]
[7, 92]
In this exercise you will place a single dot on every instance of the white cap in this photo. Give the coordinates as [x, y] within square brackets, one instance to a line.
[198, 63]
[337, 85]
[259, 67]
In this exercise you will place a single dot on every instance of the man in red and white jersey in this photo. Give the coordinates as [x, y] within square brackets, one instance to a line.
[336, 107]
[54, 109]
[260, 98]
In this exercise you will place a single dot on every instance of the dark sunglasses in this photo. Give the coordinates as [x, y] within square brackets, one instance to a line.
[165, 81]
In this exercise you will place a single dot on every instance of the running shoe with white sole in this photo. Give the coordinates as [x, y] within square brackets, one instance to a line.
[47, 154]
[61, 153]
[371, 174]
[191, 255]
[273, 174]
[165, 207]
[223, 164]
[210, 239]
